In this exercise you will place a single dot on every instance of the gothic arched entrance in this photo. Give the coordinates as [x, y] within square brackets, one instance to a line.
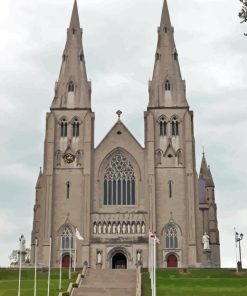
[119, 261]
[172, 261]
[65, 261]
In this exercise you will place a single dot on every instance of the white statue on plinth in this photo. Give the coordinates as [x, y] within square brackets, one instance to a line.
[139, 257]
[99, 258]
[205, 241]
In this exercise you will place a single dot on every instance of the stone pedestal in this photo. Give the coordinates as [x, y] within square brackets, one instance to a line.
[207, 263]
[98, 265]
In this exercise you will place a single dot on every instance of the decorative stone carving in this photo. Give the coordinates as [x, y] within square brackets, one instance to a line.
[79, 158]
[180, 157]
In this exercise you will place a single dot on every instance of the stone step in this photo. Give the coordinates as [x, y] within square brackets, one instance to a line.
[104, 292]
[108, 283]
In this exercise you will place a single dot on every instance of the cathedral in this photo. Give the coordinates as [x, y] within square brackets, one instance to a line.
[113, 194]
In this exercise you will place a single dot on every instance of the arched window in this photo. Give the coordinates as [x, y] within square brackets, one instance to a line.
[167, 85]
[76, 128]
[119, 181]
[67, 238]
[163, 125]
[171, 237]
[71, 87]
[175, 127]
[64, 128]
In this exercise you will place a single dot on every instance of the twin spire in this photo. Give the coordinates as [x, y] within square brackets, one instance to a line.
[167, 89]
[73, 90]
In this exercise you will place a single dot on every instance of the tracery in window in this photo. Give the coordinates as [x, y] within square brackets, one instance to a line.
[167, 85]
[67, 238]
[71, 87]
[119, 181]
[175, 126]
[76, 128]
[64, 128]
[171, 237]
[163, 126]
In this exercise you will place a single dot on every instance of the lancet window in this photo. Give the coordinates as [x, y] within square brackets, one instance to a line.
[163, 126]
[119, 181]
[71, 87]
[64, 128]
[171, 237]
[67, 238]
[76, 128]
[175, 126]
[167, 85]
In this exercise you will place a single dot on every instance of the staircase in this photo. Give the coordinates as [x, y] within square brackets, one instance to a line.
[108, 282]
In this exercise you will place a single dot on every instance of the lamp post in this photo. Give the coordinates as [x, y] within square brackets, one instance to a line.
[239, 237]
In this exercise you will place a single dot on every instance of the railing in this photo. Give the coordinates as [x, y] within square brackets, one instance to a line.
[138, 281]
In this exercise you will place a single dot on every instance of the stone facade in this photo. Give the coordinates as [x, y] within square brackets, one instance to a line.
[115, 192]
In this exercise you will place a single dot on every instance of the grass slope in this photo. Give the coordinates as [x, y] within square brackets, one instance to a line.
[9, 282]
[197, 282]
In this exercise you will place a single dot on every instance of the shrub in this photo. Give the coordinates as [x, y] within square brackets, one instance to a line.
[66, 294]
[74, 285]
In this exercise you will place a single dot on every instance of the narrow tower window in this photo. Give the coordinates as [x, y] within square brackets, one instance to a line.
[175, 127]
[170, 188]
[71, 87]
[68, 190]
[167, 85]
[64, 128]
[163, 125]
[76, 128]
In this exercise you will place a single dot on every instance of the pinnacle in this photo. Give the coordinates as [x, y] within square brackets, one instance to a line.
[165, 18]
[75, 21]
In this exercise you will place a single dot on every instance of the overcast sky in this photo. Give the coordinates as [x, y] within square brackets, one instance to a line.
[119, 41]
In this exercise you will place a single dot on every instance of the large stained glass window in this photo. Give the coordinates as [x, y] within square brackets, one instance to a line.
[119, 181]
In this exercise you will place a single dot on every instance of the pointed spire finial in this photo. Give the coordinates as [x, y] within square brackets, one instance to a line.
[165, 17]
[75, 21]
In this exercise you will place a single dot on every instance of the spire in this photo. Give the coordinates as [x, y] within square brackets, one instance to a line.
[38, 183]
[73, 90]
[205, 173]
[167, 89]
[75, 22]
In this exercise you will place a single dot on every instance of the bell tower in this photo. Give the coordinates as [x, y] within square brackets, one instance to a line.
[63, 189]
[170, 148]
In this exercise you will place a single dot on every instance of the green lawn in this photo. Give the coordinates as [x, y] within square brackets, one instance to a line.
[9, 282]
[197, 282]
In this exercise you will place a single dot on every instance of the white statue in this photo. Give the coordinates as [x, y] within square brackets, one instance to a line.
[124, 228]
[133, 227]
[114, 228]
[128, 227]
[109, 227]
[22, 246]
[95, 228]
[205, 241]
[139, 256]
[138, 228]
[99, 258]
[143, 228]
[119, 228]
[99, 228]
[104, 227]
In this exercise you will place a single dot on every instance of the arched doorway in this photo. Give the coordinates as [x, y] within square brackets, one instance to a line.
[119, 261]
[172, 261]
[65, 261]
